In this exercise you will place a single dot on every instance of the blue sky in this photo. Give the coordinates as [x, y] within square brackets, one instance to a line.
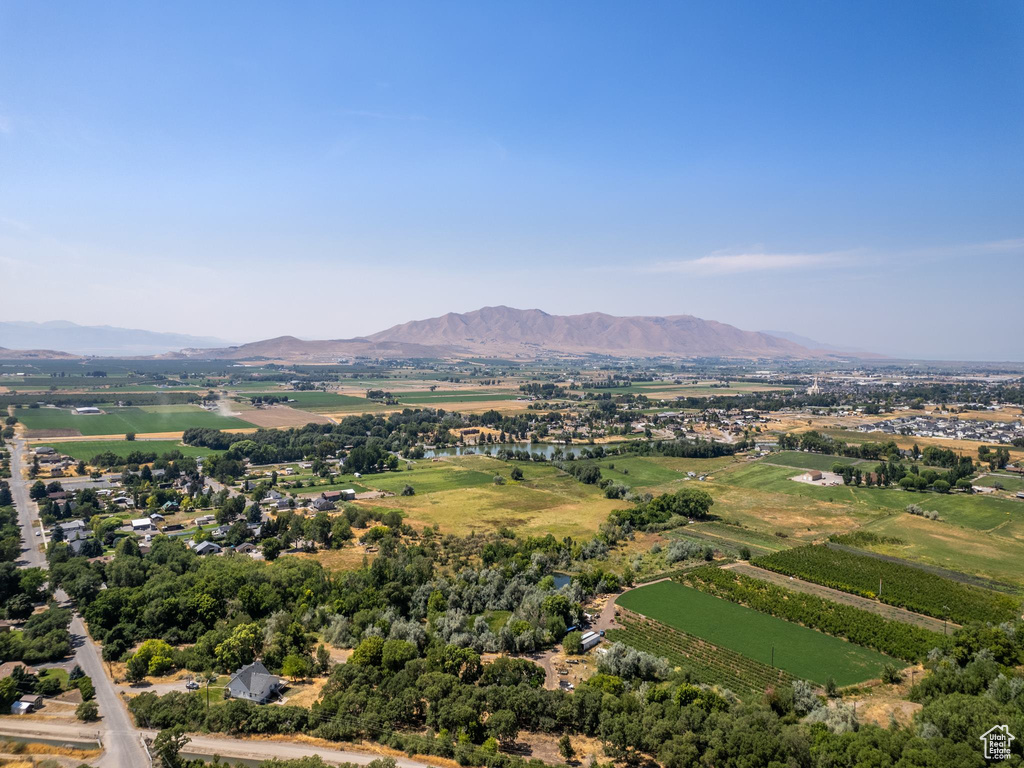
[853, 171]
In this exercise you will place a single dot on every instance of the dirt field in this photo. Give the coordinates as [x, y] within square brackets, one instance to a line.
[279, 416]
[883, 610]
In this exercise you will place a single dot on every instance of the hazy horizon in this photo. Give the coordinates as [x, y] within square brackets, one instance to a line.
[328, 170]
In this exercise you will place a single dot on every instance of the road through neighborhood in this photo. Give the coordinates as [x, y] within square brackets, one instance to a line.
[122, 742]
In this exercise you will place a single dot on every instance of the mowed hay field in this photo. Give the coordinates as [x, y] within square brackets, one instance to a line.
[459, 495]
[803, 652]
[656, 474]
[977, 534]
[120, 421]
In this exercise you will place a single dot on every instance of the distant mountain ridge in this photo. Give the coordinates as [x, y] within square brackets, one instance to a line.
[98, 340]
[531, 333]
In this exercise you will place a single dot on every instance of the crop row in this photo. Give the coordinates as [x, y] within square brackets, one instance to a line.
[892, 583]
[895, 638]
[710, 663]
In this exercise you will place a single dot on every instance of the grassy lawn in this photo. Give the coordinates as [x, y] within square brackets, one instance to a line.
[85, 449]
[141, 420]
[802, 652]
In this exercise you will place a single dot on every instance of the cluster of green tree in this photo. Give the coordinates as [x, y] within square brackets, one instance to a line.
[684, 449]
[894, 638]
[893, 583]
[442, 700]
[373, 437]
[20, 588]
[544, 390]
[996, 458]
[667, 510]
[10, 531]
[588, 474]
[815, 442]
[43, 637]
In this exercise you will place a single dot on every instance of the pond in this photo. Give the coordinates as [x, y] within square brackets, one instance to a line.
[561, 579]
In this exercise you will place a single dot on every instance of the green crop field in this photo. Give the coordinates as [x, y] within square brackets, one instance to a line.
[141, 420]
[317, 401]
[84, 450]
[448, 398]
[822, 461]
[802, 652]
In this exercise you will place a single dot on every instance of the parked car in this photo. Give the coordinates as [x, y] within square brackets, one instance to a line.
[192, 685]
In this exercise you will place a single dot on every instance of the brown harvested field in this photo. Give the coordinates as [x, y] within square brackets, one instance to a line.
[801, 519]
[349, 558]
[834, 595]
[279, 416]
[42, 434]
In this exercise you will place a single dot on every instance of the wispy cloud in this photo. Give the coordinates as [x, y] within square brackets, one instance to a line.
[737, 263]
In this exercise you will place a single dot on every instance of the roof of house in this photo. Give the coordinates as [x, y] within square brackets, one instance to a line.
[8, 667]
[255, 679]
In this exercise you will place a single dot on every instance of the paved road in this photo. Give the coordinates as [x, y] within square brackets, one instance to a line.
[205, 744]
[121, 741]
[28, 513]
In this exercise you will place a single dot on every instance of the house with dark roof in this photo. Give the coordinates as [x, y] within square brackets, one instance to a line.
[254, 683]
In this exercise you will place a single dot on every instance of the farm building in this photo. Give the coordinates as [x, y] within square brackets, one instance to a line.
[348, 494]
[86, 410]
[811, 476]
[142, 524]
[589, 640]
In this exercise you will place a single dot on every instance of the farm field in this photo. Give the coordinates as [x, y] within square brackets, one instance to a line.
[442, 397]
[315, 401]
[976, 511]
[1011, 483]
[893, 583]
[84, 450]
[822, 461]
[708, 663]
[459, 494]
[114, 420]
[988, 555]
[800, 651]
[655, 472]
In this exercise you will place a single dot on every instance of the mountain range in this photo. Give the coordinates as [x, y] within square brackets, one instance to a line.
[528, 334]
[98, 340]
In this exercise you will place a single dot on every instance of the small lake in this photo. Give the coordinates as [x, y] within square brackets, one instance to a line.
[547, 450]
[561, 579]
